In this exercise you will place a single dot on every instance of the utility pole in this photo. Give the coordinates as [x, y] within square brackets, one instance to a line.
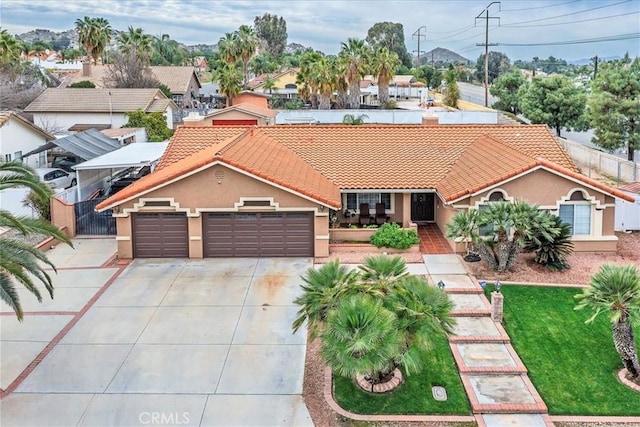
[595, 66]
[486, 45]
[418, 35]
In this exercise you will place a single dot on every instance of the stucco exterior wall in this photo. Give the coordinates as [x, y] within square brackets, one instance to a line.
[260, 101]
[61, 122]
[18, 136]
[219, 189]
[63, 216]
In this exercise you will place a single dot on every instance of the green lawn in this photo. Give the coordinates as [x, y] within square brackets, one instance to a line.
[573, 365]
[414, 395]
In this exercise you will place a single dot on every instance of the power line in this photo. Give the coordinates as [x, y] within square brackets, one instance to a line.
[486, 18]
[571, 22]
[583, 41]
[538, 7]
[570, 14]
[468, 27]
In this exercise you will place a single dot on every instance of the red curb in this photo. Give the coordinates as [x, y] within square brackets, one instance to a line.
[56, 340]
[328, 397]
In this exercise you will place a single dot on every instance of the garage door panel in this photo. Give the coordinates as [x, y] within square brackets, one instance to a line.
[264, 234]
[160, 235]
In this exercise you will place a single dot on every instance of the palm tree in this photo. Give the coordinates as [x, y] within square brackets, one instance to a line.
[20, 262]
[362, 337]
[307, 77]
[262, 64]
[86, 34]
[325, 80]
[135, 41]
[463, 227]
[616, 289]
[229, 79]
[354, 55]
[10, 48]
[383, 272]
[269, 84]
[228, 48]
[103, 34]
[323, 289]
[383, 65]
[352, 119]
[247, 45]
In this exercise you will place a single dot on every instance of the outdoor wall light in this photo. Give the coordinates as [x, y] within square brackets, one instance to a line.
[483, 285]
[498, 286]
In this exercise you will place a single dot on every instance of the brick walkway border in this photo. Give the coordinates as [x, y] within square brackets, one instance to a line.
[328, 397]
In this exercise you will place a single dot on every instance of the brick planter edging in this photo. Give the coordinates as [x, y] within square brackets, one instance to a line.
[385, 387]
[623, 379]
[328, 397]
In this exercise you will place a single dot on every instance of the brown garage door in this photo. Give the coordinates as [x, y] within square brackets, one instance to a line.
[269, 234]
[160, 235]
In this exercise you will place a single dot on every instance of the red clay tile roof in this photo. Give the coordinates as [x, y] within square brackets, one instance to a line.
[252, 152]
[633, 187]
[454, 159]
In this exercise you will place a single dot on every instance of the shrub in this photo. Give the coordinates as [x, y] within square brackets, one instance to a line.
[552, 249]
[39, 204]
[84, 84]
[393, 236]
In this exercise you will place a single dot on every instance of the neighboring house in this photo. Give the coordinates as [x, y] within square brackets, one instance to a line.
[628, 213]
[200, 64]
[244, 114]
[285, 84]
[72, 110]
[256, 98]
[268, 191]
[18, 136]
[126, 136]
[183, 82]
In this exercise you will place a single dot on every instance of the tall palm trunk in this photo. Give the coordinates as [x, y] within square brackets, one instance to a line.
[342, 99]
[625, 344]
[383, 91]
[354, 94]
[324, 101]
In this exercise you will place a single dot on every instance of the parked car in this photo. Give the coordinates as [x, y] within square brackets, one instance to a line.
[57, 178]
[65, 161]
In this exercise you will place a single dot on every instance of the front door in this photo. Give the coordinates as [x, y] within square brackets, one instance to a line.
[423, 207]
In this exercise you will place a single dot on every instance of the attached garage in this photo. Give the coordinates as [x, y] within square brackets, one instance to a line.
[266, 234]
[160, 235]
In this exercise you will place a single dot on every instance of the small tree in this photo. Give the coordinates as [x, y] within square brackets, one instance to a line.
[155, 124]
[556, 102]
[506, 87]
[352, 119]
[615, 290]
[452, 95]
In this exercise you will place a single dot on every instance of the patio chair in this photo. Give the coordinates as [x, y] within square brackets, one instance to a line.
[381, 215]
[365, 216]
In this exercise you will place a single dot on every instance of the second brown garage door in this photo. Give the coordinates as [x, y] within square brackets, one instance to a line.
[160, 235]
[269, 234]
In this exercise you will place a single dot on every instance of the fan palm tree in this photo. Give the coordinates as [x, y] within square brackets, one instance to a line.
[383, 272]
[325, 80]
[463, 227]
[383, 65]
[103, 34]
[21, 263]
[247, 45]
[362, 337]
[323, 289]
[615, 290]
[354, 54]
[228, 48]
[269, 84]
[229, 79]
[136, 42]
[307, 77]
[354, 120]
[10, 48]
[86, 34]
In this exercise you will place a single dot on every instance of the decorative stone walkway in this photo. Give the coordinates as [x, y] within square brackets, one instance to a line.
[493, 375]
[432, 241]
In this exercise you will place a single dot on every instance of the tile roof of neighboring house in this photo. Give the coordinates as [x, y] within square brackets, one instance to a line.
[246, 107]
[99, 100]
[272, 161]
[366, 83]
[454, 159]
[114, 133]
[6, 115]
[176, 78]
[633, 187]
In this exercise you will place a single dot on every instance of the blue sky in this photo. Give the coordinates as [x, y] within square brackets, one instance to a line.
[324, 24]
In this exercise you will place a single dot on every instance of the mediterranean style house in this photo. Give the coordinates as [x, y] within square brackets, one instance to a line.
[224, 191]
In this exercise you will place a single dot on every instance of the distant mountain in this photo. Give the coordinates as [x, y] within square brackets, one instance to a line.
[587, 61]
[443, 56]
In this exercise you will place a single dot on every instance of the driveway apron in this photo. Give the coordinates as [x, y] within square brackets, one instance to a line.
[163, 341]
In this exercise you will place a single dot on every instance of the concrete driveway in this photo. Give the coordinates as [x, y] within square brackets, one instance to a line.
[176, 342]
